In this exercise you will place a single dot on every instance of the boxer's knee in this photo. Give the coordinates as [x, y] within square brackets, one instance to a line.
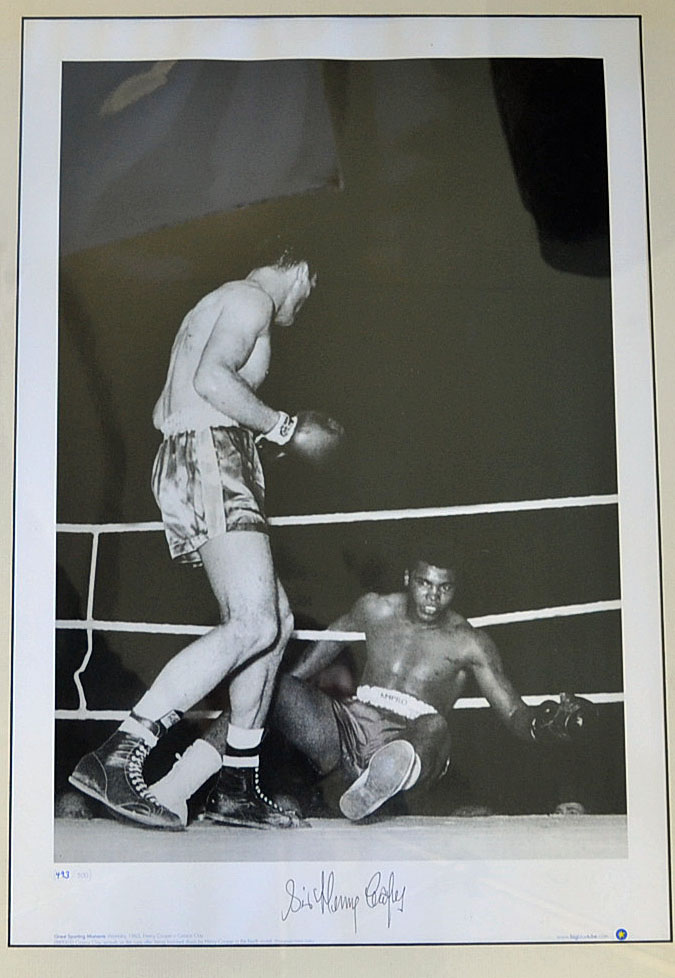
[429, 731]
[430, 736]
[252, 627]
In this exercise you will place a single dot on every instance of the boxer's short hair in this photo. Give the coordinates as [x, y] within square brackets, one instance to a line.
[434, 553]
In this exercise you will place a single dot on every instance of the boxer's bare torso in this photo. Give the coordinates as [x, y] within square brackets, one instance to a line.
[240, 312]
[417, 644]
[430, 662]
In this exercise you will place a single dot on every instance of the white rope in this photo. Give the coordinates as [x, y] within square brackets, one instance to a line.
[467, 703]
[90, 634]
[147, 527]
[371, 516]
[314, 635]
[91, 624]
[562, 611]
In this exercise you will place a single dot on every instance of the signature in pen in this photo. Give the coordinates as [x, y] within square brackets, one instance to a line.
[326, 898]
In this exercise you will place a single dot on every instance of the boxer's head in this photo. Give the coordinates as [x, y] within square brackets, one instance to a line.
[297, 285]
[430, 589]
[288, 282]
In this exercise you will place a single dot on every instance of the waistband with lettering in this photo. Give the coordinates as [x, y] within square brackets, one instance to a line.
[403, 704]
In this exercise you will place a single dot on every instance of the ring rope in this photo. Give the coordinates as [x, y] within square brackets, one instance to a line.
[90, 624]
[90, 636]
[370, 516]
[466, 703]
[160, 628]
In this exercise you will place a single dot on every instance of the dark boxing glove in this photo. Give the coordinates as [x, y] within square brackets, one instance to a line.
[563, 722]
[309, 435]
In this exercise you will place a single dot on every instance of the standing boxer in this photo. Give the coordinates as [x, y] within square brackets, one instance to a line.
[208, 482]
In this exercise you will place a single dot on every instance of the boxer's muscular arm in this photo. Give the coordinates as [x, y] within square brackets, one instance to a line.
[550, 722]
[320, 654]
[497, 688]
[244, 317]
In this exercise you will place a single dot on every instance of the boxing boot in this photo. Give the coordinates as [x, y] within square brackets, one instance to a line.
[237, 799]
[389, 771]
[113, 775]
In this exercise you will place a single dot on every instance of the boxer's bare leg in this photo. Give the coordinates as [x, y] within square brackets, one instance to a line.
[206, 756]
[241, 574]
[304, 715]
[430, 736]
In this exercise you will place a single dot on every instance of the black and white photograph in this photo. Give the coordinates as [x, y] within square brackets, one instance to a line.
[339, 483]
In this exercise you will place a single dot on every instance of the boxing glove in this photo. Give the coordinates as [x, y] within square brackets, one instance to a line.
[565, 721]
[308, 435]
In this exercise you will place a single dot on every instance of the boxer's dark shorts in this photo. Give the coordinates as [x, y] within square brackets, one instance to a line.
[364, 729]
[207, 483]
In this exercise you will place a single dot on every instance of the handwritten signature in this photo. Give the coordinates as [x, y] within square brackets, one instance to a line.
[326, 898]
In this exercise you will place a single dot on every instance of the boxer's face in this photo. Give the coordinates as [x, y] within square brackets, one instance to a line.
[430, 591]
[300, 284]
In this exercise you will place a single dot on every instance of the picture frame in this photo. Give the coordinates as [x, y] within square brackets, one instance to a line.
[505, 952]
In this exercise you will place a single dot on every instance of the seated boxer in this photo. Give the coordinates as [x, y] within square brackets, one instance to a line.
[209, 485]
[394, 734]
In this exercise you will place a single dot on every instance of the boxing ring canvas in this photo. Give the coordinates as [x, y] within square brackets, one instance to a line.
[471, 192]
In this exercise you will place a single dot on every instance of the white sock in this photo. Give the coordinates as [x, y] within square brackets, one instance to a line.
[242, 747]
[199, 762]
[152, 707]
[132, 726]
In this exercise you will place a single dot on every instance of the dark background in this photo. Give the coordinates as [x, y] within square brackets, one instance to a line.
[461, 332]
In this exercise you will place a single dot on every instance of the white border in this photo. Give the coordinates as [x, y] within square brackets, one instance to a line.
[469, 902]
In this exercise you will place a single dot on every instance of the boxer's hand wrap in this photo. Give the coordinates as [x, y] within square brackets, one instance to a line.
[563, 722]
[282, 432]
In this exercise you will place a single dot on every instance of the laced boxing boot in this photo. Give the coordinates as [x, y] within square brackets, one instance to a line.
[237, 799]
[391, 769]
[113, 775]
